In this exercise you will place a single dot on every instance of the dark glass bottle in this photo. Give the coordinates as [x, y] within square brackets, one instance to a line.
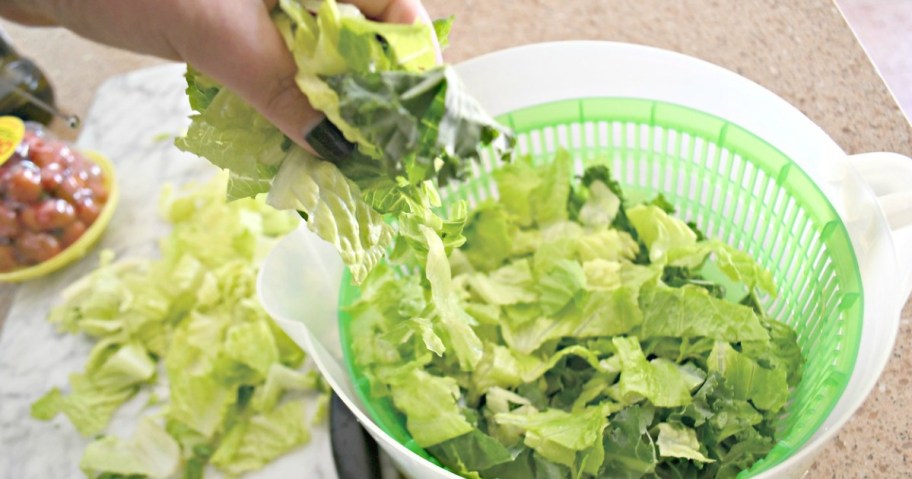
[22, 73]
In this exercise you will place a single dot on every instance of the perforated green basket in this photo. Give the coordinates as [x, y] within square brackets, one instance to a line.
[736, 188]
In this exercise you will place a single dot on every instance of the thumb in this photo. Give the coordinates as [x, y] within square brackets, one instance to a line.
[253, 62]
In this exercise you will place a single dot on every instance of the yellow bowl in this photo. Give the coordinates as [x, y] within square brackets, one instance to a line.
[88, 239]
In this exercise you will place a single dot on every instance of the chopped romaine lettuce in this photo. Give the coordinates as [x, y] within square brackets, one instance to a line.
[577, 342]
[195, 309]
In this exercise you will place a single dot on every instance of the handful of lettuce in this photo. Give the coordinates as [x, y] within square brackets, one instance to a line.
[577, 334]
[413, 124]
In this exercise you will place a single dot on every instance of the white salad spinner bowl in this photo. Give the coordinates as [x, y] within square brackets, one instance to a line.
[870, 194]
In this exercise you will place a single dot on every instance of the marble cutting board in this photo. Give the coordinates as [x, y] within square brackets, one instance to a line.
[133, 121]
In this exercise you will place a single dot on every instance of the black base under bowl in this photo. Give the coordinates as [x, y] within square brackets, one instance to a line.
[355, 452]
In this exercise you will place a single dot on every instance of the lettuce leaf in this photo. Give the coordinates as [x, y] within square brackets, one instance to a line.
[489, 232]
[252, 443]
[549, 199]
[88, 407]
[629, 449]
[453, 318]
[423, 123]
[515, 184]
[559, 435]
[429, 403]
[767, 389]
[676, 440]
[474, 451]
[334, 209]
[660, 381]
[601, 207]
[559, 285]
[690, 311]
[151, 453]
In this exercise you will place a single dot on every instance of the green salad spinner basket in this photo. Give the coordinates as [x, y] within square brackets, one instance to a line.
[741, 163]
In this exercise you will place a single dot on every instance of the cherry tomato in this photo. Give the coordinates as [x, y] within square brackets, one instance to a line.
[87, 210]
[24, 184]
[99, 190]
[43, 153]
[70, 188]
[95, 171]
[8, 261]
[54, 214]
[9, 226]
[51, 176]
[37, 247]
[28, 219]
[72, 232]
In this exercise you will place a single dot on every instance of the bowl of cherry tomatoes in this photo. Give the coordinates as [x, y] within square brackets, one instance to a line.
[55, 202]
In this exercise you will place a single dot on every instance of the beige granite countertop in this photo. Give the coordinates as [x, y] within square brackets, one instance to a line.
[801, 49]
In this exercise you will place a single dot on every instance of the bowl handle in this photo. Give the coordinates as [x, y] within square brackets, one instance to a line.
[890, 177]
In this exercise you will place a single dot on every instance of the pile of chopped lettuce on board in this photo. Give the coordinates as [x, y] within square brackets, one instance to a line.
[227, 386]
[575, 335]
[413, 123]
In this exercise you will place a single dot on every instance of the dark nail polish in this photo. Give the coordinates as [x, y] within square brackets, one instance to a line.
[327, 140]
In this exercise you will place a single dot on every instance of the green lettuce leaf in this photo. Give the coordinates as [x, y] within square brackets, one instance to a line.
[549, 199]
[232, 135]
[252, 443]
[767, 389]
[336, 39]
[515, 184]
[453, 318]
[725, 416]
[739, 266]
[335, 210]
[690, 311]
[88, 407]
[606, 244]
[660, 381]
[667, 238]
[676, 440]
[489, 234]
[151, 453]
[559, 435]
[780, 352]
[559, 285]
[429, 404]
[279, 380]
[629, 449]
[602, 206]
[608, 313]
[253, 345]
[511, 284]
[475, 451]
[422, 124]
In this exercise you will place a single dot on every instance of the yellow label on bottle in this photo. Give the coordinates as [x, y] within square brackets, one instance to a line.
[12, 130]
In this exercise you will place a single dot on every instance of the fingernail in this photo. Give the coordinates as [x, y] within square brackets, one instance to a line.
[329, 142]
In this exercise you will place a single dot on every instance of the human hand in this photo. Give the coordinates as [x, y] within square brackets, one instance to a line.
[234, 42]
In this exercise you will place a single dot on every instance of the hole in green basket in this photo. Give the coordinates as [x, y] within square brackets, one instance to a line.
[805, 244]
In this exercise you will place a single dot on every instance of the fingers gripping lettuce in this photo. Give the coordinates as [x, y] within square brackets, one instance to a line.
[414, 126]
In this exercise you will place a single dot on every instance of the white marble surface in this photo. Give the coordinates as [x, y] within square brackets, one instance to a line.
[126, 122]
